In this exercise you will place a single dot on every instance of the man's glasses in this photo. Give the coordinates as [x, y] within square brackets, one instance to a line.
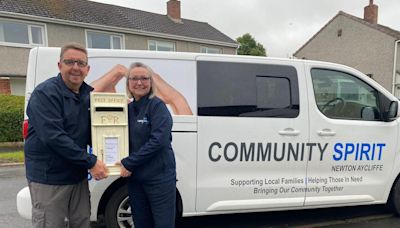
[71, 62]
[141, 79]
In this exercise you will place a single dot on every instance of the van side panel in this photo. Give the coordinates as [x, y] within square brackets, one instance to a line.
[180, 74]
[30, 76]
[42, 64]
[47, 67]
[185, 148]
[252, 135]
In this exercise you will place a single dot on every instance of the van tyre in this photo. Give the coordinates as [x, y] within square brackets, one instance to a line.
[394, 203]
[118, 211]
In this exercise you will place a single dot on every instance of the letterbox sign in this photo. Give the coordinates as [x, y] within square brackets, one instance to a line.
[110, 141]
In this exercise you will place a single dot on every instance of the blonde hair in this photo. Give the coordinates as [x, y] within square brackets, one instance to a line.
[153, 90]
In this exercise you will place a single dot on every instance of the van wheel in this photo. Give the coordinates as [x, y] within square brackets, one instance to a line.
[118, 210]
[394, 203]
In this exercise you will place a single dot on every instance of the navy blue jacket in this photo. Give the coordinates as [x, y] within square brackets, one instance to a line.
[58, 134]
[151, 158]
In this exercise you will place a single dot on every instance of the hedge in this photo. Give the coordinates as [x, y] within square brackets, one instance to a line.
[11, 118]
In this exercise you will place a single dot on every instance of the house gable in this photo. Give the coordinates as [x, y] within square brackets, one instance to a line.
[352, 41]
[380, 28]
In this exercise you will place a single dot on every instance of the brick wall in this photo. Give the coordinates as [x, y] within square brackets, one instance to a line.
[5, 87]
[371, 12]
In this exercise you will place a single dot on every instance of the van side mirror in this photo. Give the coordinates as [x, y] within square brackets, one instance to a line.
[368, 113]
[391, 113]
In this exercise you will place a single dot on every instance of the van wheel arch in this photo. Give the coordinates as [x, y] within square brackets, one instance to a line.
[179, 206]
[394, 197]
[114, 193]
[108, 193]
[118, 210]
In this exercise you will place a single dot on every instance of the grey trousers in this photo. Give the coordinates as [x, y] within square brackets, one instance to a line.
[60, 205]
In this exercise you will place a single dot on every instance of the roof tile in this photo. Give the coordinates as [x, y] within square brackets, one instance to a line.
[116, 16]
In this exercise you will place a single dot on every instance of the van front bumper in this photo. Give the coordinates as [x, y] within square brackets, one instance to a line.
[24, 204]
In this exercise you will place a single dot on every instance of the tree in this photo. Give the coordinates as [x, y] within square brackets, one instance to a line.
[249, 46]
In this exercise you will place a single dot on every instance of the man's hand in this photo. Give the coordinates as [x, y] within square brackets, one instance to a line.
[124, 171]
[99, 170]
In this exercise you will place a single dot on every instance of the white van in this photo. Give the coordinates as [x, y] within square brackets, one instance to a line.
[265, 135]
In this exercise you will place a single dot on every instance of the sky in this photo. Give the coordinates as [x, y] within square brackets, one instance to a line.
[281, 26]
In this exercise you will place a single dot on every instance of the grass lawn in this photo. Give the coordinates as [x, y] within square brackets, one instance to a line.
[11, 157]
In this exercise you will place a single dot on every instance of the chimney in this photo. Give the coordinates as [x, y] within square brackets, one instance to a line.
[174, 10]
[371, 12]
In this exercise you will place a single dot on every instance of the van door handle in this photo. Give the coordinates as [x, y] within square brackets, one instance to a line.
[289, 132]
[326, 132]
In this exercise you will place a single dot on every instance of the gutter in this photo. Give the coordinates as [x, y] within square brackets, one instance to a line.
[115, 29]
[396, 43]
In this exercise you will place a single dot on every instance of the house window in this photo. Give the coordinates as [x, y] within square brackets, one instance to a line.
[21, 33]
[210, 50]
[161, 45]
[103, 40]
[339, 32]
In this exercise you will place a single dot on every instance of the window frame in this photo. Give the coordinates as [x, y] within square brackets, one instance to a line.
[29, 26]
[157, 42]
[111, 34]
[207, 49]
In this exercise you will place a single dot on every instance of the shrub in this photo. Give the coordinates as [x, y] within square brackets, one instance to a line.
[11, 118]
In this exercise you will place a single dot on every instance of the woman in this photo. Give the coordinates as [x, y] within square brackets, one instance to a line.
[151, 162]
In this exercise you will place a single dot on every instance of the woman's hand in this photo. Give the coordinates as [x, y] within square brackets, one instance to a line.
[124, 171]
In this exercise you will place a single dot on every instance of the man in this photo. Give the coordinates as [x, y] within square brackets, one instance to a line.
[55, 148]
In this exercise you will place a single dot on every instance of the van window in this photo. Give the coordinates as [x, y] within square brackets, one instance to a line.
[247, 90]
[343, 96]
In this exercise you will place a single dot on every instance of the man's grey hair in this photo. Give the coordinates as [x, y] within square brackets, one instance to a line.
[74, 46]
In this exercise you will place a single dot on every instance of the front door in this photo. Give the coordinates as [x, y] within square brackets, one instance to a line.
[359, 147]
